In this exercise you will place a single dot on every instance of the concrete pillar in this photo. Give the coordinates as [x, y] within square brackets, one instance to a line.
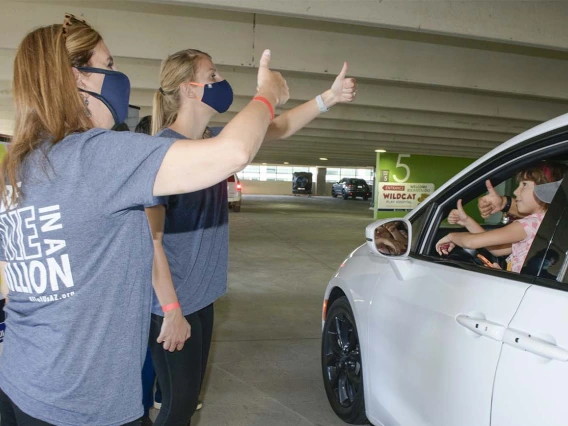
[320, 181]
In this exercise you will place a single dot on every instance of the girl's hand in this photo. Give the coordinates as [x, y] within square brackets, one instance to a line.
[458, 216]
[343, 89]
[444, 246]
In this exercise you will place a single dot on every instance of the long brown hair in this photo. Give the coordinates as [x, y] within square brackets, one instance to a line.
[46, 100]
[176, 69]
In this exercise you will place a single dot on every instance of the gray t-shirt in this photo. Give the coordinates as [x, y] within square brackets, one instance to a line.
[196, 242]
[79, 261]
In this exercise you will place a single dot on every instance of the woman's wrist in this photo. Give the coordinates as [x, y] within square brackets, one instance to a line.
[268, 95]
[328, 99]
[170, 307]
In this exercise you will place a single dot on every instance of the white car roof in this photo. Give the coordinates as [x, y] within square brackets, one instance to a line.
[543, 128]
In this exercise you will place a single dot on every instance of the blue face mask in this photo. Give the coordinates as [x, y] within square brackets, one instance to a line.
[115, 92]
[218, 96]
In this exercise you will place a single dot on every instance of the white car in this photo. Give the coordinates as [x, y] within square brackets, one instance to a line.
[234, 191]
[417, 339]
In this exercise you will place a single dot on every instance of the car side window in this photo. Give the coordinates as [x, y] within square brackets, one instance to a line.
[495, 257]
[446, 226]
[548, 256]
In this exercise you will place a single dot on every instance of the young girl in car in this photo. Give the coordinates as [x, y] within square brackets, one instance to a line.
[537, 186]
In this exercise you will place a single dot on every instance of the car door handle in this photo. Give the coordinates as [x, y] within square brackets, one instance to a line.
[482, 327]
[526, 342]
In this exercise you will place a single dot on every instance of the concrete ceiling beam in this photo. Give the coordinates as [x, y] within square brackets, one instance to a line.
[533, 23]
[296, 44]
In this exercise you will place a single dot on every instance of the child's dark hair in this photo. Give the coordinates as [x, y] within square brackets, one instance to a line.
[544, 172]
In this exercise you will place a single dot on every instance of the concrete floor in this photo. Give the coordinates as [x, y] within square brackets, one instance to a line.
[265, 369]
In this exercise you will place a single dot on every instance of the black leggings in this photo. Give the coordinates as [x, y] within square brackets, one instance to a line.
[180, 373]
[13, 416]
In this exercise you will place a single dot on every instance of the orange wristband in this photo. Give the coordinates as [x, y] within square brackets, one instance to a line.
[267, 103]
[170, 306]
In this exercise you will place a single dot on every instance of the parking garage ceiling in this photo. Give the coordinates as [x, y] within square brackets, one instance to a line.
[452, 78]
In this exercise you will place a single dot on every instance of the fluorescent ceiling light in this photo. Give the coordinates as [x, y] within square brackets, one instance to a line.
[380, 150]
[323, 159]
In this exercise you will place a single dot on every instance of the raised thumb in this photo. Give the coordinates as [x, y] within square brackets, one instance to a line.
[265, 59]
[489, 186]
[460, 206]
[343, 71]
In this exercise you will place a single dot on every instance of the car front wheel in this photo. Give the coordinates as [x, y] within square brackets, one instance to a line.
[341, 364]
[333, 194]
[345, 195]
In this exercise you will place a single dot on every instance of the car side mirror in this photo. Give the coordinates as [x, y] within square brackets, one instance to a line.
[389, 237]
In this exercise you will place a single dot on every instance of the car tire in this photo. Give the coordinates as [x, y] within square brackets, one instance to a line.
[354, 196]
[365, 198]
[345, 196]
[342, 368]
[333, 194]
[237, 207]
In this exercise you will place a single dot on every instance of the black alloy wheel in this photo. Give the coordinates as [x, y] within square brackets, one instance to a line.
[333, 194]
[341, 364]
[345, 195]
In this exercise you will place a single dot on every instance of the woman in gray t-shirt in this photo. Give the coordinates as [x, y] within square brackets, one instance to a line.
[196, 233]
[75, 245]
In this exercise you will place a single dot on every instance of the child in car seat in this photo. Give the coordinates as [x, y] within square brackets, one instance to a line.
[537, 187]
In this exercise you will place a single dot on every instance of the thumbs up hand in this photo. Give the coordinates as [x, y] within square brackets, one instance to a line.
[490, 203]
[343, 89]
[271, 84]
[458, 216]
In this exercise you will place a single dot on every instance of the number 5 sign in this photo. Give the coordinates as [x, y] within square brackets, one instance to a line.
[399, 164]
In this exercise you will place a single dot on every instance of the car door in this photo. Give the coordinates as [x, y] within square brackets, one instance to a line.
[532, 376]
[338, 187]
[434, 338]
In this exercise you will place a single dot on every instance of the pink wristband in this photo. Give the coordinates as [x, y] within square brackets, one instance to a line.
[267, 103]
[170, 306]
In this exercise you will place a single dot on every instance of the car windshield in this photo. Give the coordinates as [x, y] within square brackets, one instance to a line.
[357, 182]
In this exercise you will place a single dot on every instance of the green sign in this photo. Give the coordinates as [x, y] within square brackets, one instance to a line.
[410, 178]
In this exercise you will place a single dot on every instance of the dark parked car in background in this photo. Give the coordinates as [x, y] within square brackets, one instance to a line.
[302, 183]
[351, 187]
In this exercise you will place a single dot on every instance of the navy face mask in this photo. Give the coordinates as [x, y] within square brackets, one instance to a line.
[115, 92]
[218, 96]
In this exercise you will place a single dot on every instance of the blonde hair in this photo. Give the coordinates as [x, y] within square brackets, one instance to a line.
[46, 100]
[176, 69]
